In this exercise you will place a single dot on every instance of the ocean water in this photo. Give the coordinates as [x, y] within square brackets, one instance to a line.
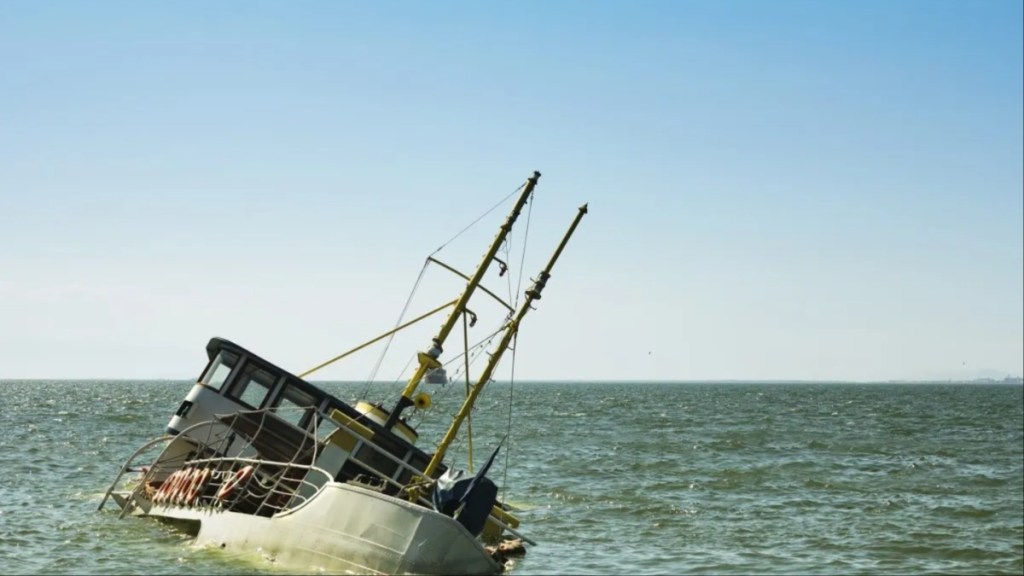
[610, 478]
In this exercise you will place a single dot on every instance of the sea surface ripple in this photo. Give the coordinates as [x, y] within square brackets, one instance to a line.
[610, 478]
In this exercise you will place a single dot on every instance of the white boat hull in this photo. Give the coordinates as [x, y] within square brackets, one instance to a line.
[344, 528]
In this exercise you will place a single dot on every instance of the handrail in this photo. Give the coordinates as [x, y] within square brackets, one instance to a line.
[130, 501]
[402, 464]
[127, 464]
[275, 499]
[152, 470]
[258, 463]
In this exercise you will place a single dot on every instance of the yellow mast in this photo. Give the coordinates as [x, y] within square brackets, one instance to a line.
[428, 360]
[510, 331]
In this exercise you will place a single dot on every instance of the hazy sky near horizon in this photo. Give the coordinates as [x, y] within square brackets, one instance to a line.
[787, 189]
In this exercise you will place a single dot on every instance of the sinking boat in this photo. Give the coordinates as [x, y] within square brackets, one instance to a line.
[258, 459]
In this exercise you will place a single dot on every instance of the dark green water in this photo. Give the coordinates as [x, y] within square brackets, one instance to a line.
[612, 478]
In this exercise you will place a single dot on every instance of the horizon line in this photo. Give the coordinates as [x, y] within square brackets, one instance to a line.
[1007, 379]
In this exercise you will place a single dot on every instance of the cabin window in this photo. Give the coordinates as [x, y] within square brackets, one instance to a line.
[254, 385]
[294, 405]
[219, 369]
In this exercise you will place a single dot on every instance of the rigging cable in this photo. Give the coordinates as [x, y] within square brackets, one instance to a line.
[380, 359]
[515, 344]
[475, 352]
[511, 387]
[522, 258]
[481, 217]
[469, 429]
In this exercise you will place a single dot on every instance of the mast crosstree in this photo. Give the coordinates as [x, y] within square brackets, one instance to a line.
[429, 360]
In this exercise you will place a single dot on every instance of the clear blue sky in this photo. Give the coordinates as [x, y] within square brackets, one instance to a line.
[812, 190]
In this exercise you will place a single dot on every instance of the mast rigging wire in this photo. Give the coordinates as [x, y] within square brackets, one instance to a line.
[481, 217]
[515, 343]
[380, 359]
[387, 345]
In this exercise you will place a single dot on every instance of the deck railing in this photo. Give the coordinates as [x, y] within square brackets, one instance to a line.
[203, 476]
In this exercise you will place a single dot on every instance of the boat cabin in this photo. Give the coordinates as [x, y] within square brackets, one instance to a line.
[286, 419]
